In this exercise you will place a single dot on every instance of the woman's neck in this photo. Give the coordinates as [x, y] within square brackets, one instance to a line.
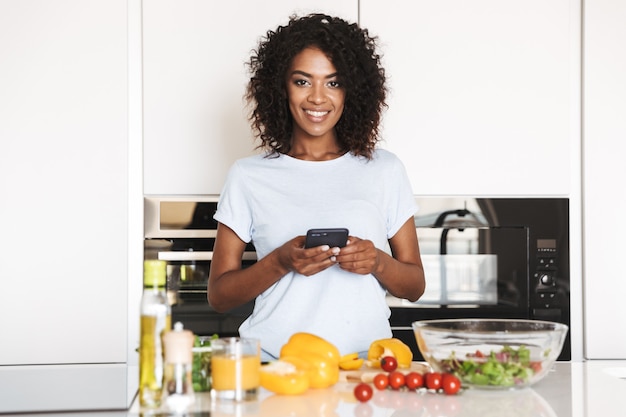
[315, 149]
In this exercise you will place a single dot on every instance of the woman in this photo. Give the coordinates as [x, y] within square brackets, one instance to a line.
[317, 92]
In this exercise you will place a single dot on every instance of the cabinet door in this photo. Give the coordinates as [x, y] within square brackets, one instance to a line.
[604, 173]
[195, 120]
[484, 94]
[63, 182]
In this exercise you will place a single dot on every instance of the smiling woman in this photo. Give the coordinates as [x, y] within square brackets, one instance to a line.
[316, 95]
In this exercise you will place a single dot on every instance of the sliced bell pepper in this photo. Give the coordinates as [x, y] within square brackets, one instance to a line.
[389, 347]
[285, 378]
[350, 362]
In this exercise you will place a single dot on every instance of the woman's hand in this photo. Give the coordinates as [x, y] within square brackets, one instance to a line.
[359, 256]
[294, 257]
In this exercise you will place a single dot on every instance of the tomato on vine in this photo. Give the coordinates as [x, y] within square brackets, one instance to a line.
[414, 380]
[433, 380]
[381, 381]
[396, 380]
[450, 384]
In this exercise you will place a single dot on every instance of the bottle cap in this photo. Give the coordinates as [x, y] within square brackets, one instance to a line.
[154, 273]
[178, 345]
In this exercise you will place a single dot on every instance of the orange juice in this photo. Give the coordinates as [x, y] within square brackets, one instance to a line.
[227, 371]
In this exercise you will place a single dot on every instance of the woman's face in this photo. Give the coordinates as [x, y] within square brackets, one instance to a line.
[316, 98]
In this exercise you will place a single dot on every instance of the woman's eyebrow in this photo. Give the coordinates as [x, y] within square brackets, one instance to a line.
[306, 74]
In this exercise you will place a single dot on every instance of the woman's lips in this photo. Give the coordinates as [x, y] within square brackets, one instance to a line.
[316, 113]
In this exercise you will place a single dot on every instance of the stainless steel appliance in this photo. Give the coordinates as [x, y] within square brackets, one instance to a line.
[181, 231]
[483, 257]
[490, 257]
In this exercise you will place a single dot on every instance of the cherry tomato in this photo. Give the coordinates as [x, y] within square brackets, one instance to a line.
[536, 367]
[389, 363]
[450, 384]
[381, 381]
[433, 380]
[396, 380]
[413, 380]
[363, 392]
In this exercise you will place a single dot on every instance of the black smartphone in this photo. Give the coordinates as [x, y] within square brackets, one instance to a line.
[335, 237]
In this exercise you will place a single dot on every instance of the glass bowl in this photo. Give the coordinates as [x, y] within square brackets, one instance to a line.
[491, 353]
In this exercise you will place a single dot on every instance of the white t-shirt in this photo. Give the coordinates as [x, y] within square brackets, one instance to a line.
[270, 200]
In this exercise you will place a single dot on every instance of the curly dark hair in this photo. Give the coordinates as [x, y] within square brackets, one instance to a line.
[353, 53]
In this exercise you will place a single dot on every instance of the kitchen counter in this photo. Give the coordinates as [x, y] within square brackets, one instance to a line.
[576, 389]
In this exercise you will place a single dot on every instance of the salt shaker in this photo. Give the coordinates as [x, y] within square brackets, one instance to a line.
[178, 392]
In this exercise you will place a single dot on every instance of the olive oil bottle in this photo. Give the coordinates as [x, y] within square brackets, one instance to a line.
[156, 319]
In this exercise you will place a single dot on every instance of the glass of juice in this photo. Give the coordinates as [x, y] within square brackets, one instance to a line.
[235, 368]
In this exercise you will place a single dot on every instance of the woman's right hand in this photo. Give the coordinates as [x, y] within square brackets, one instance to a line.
[294, 257]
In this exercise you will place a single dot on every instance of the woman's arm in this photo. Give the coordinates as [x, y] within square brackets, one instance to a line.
[401, 274]
[231, 286]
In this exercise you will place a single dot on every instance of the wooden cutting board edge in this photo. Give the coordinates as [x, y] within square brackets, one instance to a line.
[367, 374]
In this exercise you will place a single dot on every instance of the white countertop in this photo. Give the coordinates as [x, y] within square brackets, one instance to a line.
[577, 389]
[572, 389]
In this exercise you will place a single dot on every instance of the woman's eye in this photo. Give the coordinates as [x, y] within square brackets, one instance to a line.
[300, 83]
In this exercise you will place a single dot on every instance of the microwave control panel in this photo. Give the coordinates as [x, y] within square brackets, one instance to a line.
[544, 279]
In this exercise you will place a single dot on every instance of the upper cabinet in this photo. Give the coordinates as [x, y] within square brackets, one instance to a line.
[484, 94]
[605, 201]
[194, 77]
[63, 181]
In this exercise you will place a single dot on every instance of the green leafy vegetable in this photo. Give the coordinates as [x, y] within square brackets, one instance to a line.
[506, 368]
[201, 366]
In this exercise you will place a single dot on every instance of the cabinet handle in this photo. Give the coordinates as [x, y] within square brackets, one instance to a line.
[197, 256]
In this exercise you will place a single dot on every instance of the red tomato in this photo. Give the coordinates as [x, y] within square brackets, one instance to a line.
[363, 392]
[450, 384]
[396, 380]
[389, 363]
[433, 380]
[381, 381]
[536, 366]
[413, 380]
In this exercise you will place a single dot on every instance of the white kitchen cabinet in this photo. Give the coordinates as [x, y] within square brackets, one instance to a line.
[194, 51]
[484, 94]
[64, 211]
[604, 131]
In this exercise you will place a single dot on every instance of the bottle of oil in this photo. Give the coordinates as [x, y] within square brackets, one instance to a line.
[156, 319]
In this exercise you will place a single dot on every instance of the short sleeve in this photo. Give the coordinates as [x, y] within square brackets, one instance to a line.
[233, 208]
[401, 204]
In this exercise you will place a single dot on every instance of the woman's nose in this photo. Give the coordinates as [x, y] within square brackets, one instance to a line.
[317, 95]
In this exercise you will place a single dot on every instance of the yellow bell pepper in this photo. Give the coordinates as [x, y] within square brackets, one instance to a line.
[321, 356]
[307, 342]
[389, 347]
[286, 378]
[350, 362]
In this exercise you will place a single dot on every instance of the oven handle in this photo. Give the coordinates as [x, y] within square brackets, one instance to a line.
[401, 328]
[197, 256]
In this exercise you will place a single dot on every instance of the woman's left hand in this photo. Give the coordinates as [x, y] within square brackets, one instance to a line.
[358, 256]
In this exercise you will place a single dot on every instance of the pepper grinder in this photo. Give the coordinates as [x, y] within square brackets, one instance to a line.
[178, 392]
